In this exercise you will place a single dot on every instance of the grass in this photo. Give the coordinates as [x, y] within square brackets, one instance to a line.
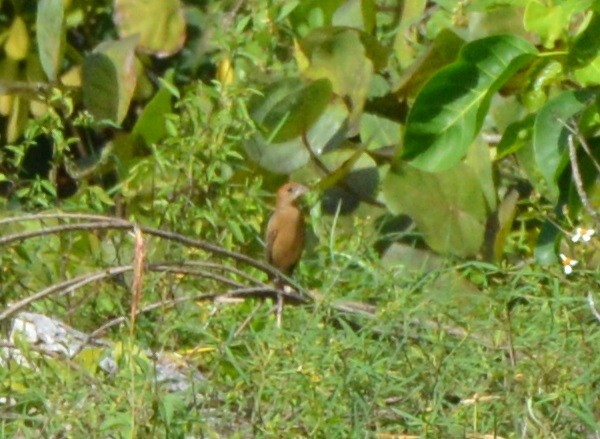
[505, 351]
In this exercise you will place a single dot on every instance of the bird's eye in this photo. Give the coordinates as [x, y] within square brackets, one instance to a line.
[290, 189]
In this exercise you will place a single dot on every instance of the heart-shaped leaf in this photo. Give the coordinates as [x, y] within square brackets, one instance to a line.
[448, 207]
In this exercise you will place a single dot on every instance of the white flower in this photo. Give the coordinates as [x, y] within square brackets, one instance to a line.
[568, 263]
[582, 234]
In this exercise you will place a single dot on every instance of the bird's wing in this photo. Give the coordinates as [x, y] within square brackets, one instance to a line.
[271, 235]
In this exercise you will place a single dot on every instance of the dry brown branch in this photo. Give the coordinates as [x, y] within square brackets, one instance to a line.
[70, 285]
[99, 222]
[583, 142]
[139, 258]
[63, 288]
[347, 309]
[592, 305]
[256, 292]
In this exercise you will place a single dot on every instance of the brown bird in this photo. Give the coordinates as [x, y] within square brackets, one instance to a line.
[286, 230]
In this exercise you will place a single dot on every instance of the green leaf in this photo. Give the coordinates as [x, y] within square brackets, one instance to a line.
[408, 33]
[515, 136]
[448, 207]
[499, 226]
[552, 20]
[408, 259]
[109, 79]
[327, 132]
[379, 132]
[311, 14]
[295, 112]
[450, 109]
[590, 74]
[547, 244]
[442, 51]
[587, 44]
[479, 160]
[151, 123]
[348, 58]
[161, 27]
[359, 14]
[359, 175]
[50, 35]
[550, 134]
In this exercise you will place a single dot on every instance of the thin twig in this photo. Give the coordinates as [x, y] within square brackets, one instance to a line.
[592, 304]
[585, 201]
[68, 286]
[98, 222]
[342, 182]
[63, 288]
[279, 310]
[240, 292]
[247, 320]
[582, 141]
[106, 223]
[139, 258]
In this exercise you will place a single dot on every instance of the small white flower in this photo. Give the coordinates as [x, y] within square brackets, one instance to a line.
[568, 263]
[583, 234]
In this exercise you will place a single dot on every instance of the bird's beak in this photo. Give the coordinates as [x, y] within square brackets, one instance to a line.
[299, 191]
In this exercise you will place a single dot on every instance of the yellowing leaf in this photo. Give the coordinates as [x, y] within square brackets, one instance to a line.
[72, 77]
[17, 45]
[17, 119]
[160, 24]
[225, 71]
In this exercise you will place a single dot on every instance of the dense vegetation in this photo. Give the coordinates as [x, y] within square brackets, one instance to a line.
[452, 149]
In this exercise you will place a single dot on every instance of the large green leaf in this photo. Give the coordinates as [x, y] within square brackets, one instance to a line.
[379, 132]
[550, 133]
[50, 35]
[442, 51]
[285, 157]
[151, 123]
[450, 109]
[109, 79]
[448, 207]
[348, 58]
[290, 114]
[160, 24]
[586, 46]
[359, 14]
[479, 160]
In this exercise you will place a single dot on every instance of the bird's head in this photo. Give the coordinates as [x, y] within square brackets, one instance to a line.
[290, 192]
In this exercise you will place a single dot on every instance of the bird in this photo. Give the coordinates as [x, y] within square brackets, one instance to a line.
[286, 229]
